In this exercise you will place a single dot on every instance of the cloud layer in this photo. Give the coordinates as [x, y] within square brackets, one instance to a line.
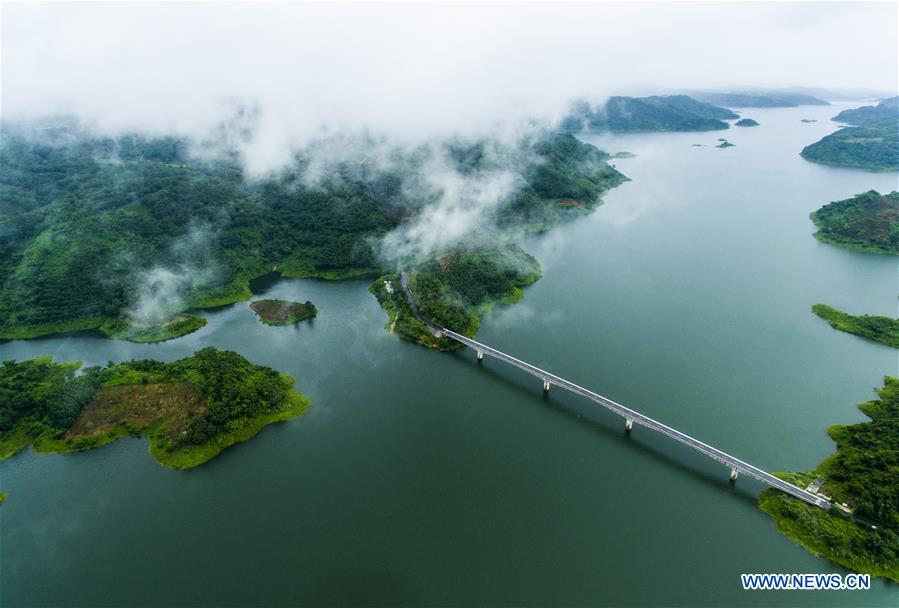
[412, 71]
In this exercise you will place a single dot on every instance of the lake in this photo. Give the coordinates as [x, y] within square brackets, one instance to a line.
[426, 478]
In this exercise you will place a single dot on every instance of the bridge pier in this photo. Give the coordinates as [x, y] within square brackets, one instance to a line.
[546, 386]
[628, 424]
[733, 474]
[480, 355]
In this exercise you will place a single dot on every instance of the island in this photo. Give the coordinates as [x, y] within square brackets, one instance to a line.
[808, 120]
[141, 332]
[760, 99]
[643, 114]
[746, 122]
[880, 329]
[872, 144]
[190, 409]
[283, 312]
[725, 144]
[861, 532]
[866, 222]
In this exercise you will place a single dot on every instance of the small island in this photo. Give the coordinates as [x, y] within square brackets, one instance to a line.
[861, 532]
[746, 122]
[880, 329]
[135, 331]
[283, 312]
[725, 144]
[191, 409]
[808, 120]
[866, 222]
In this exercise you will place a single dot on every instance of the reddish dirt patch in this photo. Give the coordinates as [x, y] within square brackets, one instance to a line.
[571, 202]
[141, 406]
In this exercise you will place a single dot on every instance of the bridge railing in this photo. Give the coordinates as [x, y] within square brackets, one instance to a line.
[637, 417]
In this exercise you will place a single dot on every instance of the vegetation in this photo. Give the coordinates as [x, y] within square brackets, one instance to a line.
[191, 409]
[872, 144]
[864, 474]
[869, 148]
[657, 113]
[177, 326]
[283, 312]
[865, 222]
[454, 290]
[94, 228]
[746, 122]
[880, 329]
[884, 113]
[760, 100]
[725, 144]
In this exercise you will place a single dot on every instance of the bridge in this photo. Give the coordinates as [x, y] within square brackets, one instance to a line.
[630, 416]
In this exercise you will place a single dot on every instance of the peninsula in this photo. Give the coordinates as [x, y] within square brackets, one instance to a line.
[880, 329]
[863, 478]
[871, 144]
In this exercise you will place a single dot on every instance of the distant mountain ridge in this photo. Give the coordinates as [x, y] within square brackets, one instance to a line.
[643, 114]
[745, 99]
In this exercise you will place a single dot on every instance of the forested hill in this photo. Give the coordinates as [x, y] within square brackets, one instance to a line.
[94, 229]
[656, 113]
[883, 114]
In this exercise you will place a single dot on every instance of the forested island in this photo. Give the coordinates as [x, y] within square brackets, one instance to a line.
[641, 114]
[866, 222]
[746, 122]
[880, 329]
[863, 474]
[871, 144]
[283, 312]
[191, 409]
[125, 235]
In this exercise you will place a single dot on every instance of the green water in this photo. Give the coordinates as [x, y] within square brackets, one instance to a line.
[425, 478]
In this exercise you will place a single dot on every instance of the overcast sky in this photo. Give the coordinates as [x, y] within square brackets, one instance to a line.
[417, 69]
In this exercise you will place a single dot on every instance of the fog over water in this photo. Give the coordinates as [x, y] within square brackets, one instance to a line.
[413, 71]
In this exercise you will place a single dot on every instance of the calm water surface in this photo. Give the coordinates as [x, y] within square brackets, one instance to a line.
[424, 478]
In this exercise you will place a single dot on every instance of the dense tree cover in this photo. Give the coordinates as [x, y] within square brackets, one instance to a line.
[884, 113]
[864, 473]
[657, 113]
[881, 329]
[283, 312]
[760, 100]
[869, 148]
[866, 222]
[85, 218]
[872, 144]
[42, 402]
[177, 326]
[746, 122]
[44, 391]
[454, 290]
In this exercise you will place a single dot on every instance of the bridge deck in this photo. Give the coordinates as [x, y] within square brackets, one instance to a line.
[638, 418]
